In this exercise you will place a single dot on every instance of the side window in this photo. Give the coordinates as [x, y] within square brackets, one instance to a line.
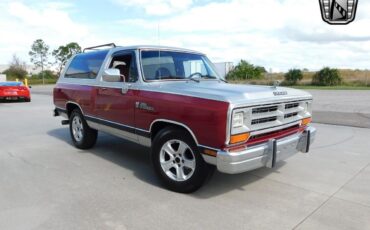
[86, 65]
[126, 63]
[158, 65]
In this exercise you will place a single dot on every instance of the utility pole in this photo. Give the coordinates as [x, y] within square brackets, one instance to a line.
[42, 70]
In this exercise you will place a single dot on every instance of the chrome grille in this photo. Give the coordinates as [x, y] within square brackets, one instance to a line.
[292, 105]
[290, 115]
[264, 109]
[263, 120]
[265, 116]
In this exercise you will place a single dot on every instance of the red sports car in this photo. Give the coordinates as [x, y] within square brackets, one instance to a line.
[14, 91]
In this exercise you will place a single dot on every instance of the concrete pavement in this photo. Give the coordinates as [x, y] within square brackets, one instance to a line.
[342, 107]
[46, 183]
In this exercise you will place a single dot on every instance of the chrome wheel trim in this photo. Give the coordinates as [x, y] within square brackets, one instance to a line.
[77, 128]
[177, 160]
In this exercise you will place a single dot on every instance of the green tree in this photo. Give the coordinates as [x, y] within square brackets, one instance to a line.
[245, 70]
[47, 74]
[17, 69]
[39, 55]
[64, 53]
[327, 77]
[293, 76]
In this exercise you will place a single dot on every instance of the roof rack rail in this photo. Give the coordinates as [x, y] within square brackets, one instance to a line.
[94, 47]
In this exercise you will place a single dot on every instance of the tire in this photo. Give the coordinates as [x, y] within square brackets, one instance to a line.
[82, 135]
[177, 161]
[27, 100]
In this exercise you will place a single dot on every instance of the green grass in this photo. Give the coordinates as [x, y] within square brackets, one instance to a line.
[39, 81]
[345, 86]
[340, 87]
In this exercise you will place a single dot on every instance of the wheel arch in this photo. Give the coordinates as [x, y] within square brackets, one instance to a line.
[159, 124]
[70, 106]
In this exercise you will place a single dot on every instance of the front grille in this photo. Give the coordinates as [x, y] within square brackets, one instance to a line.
[264, 109]
[263, 120]
[266, 116]
[292, 105]
[289, 115]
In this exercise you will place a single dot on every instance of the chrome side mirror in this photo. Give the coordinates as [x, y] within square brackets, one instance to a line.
[111, 75]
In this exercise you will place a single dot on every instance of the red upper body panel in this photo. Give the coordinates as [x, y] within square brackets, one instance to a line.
[206, 118]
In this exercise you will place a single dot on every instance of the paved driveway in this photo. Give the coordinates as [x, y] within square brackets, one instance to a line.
[46, 183]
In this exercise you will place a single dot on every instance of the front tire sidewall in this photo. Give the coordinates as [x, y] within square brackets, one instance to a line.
[201, 169]
[89, 135]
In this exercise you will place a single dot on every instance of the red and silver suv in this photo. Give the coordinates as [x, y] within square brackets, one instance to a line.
[173, 101]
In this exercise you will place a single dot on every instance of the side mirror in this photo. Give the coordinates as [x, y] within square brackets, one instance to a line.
[30, 86]
[111, 75]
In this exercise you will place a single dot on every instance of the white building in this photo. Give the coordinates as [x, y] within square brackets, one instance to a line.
[223, 68]
[2, 77]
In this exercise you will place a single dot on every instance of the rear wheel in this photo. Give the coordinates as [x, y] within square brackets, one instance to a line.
[82, 135]
[177, 161]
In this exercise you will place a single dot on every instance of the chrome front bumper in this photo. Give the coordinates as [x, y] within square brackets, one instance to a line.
[265, 155]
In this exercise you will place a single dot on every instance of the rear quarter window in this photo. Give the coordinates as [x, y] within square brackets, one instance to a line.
[86, 65]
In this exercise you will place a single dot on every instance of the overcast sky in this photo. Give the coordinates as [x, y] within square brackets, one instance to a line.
[277, 34]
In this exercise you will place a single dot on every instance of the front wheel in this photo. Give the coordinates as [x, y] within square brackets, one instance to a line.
[177, 161]
[82, 135]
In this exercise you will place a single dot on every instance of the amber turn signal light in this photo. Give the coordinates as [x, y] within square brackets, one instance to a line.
[210, 153]
[306, 121]
[234, 139]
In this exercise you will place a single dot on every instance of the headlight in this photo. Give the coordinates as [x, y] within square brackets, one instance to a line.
[307, 106]
[238, 120]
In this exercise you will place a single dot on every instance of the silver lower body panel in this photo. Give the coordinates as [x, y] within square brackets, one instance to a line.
[264, 155]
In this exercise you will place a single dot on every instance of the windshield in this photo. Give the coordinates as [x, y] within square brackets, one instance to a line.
[171, 65]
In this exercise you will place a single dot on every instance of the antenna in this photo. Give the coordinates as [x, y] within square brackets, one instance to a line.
[159, 49]
[158, 33]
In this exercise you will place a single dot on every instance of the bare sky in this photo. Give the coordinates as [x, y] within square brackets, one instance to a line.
[277, 34]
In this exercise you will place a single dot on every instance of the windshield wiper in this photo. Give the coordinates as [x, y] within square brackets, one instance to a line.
[208, 77]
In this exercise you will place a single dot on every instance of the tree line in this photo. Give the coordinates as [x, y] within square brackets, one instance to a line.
[246, 71]
[41, 57]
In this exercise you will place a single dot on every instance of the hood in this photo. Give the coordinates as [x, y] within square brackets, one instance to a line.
[233, 93]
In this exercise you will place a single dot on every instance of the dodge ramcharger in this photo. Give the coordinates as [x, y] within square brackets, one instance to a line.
[173, 101]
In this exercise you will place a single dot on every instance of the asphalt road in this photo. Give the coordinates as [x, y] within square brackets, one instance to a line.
[343, 107]
[46, 183]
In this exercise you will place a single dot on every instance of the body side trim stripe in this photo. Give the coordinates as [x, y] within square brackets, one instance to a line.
[120, 126]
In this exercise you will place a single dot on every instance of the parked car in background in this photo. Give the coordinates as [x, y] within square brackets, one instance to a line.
[14, 91]
[174, 101]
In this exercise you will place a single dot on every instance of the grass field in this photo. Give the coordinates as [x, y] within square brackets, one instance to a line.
[340, 87]
[352, 80]
[39, 81]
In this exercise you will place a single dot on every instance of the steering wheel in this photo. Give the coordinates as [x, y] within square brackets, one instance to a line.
[123, 77]
[196, 73]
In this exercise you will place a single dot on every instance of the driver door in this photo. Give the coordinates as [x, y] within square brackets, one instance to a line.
[115, 101]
